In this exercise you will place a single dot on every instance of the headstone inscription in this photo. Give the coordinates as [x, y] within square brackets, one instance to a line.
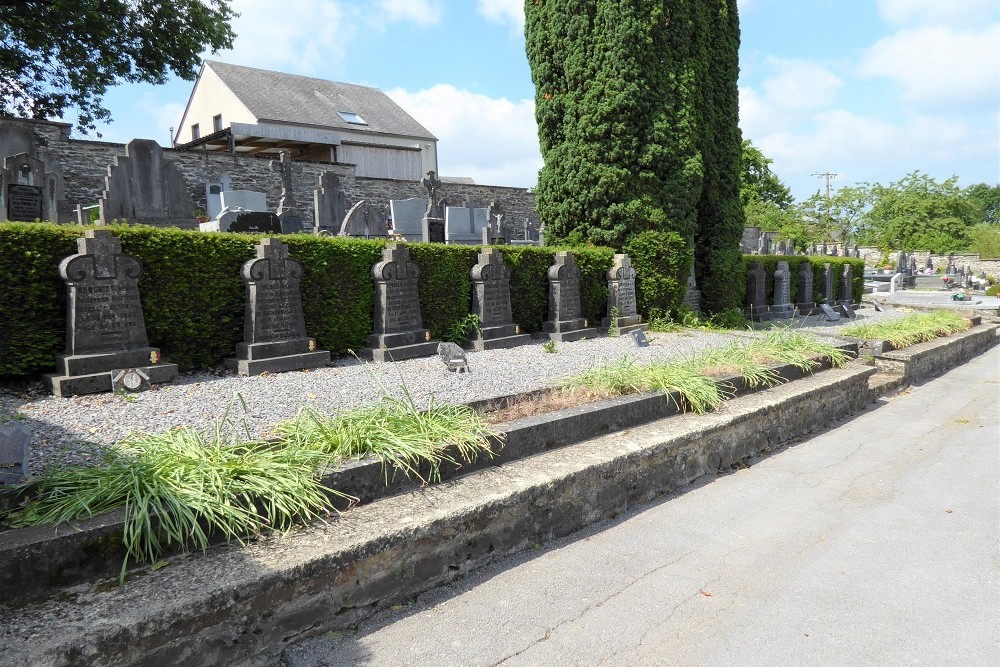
[288, 212]
[639, 336]
[105, 329]
[329, 205]
[621, 296]
[692, 295]
[831, 314]
[407, 218]
[782, 307]
[756, 308]
[274, 328]
[565, 321]
[14, 439]
[432, 224]
[399, 331]
[491, 303]
[29, 191]
[804, 298]
[144, 187]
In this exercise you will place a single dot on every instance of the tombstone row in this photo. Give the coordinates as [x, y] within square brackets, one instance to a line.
[768, 244]
[107, 347]
[783, 306]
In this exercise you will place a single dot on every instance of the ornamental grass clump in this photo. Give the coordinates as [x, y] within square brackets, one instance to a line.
[906, 331]
[398, 433]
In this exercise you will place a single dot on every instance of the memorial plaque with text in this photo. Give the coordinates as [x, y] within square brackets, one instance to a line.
[274, 301]
[398, 299]
[491, 290]
[24, 203]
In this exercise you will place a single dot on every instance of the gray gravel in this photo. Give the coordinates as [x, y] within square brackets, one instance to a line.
[74, 430]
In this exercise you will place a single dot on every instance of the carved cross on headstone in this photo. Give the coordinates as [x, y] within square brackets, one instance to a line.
[285, 167]
[104, 247]
[276, 254]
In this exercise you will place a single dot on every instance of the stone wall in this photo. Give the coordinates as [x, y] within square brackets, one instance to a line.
[84, 165]
[873, 255]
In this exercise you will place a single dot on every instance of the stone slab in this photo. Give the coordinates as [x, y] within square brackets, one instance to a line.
[291, 362]
[77, 385]
[399, 353]
[570, 336]
[503, 343]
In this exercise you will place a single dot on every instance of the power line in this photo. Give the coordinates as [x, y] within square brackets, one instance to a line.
[828, 176]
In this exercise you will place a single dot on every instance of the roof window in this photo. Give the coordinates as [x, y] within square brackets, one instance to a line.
[352, 118]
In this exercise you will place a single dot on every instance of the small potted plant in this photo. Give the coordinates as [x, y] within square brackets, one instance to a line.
[200, 215]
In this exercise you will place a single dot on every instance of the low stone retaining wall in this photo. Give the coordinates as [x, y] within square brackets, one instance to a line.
[924, 361]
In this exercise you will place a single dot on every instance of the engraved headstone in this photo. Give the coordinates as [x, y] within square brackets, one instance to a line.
[782, 307]
[692, 295]
[826, 250]
[365, 221]
[464, 224]
[14, 440]
[145, 187]
[902, 265]
[453, 357]
[249, 200]
[827, 285]
[249, 222]
[213, 194]
[831, 314]
[639, 336]
[105, 329]
[804, 298]
[528, 232]
[29, 191]
[288, 212]
[565, 321]
[621, 296]
[812, 248]
[497, 231]
[274, 328]
[407, 218]
[399, 331]
[756, 308]
[491, 303]
[750, 240]
[329, 205]
[432, 225]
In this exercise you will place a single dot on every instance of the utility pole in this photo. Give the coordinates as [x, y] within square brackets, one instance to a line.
[828, 176]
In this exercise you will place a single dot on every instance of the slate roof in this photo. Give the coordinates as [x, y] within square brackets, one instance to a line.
[303, 100]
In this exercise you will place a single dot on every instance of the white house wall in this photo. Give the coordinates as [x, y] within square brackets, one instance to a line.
[210, 98]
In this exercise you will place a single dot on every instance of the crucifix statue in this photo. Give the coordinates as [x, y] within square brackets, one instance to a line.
[285, 167]
[432, 183]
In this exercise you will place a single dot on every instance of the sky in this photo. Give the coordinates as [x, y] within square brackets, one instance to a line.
[869, 90]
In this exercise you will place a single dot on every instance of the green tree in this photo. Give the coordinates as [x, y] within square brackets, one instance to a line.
[636, 104]
[986, 199]
[758, 182]
[57, 55]
[840, 218]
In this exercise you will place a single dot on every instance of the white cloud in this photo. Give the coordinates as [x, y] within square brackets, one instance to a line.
[510, 12]
[938, 12]
[800, 85]
[939, 67]
[422, 12]
[304, 37]
[495, 141]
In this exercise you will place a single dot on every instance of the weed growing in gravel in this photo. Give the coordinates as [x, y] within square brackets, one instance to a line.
[550, 347]
[613, 330]
[917, 328]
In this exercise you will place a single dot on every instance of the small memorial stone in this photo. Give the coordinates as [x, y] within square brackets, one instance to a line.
[105, 329]
[565, 321]
[846, 286]
[827, 276]
[831, 315]
[453, 357]
[399, 331]
[14, 440]
[274, 328]
[621, 296]
[491, 303]
[639, 336]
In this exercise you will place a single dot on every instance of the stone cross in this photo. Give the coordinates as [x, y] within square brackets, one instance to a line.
[285, 167]
[431, 183]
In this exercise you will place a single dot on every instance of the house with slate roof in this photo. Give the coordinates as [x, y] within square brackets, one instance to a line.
[251, 111]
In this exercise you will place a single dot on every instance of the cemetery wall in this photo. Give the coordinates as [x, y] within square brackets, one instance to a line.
[84, 165]
[873, 256]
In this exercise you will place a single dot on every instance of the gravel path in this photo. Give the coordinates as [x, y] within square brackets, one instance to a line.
[74, 430]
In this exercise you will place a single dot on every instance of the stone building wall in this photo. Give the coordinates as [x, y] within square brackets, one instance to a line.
[84, 166]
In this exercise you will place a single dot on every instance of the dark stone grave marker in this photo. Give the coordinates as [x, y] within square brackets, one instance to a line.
[565, 321]
[274, 330]
[639, 336]
[621, 295]
[491, 303]
[105, 329]
[24, 203]
[399, 331]
[14, 439]
[831, 315]
[756, 308]
[782, 307]
[254, 222]
[804, 299]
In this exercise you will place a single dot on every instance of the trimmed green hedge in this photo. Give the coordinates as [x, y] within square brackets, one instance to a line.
[794, 261]
[193, 296]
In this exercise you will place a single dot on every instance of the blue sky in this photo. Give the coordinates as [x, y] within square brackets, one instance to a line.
[867, 89]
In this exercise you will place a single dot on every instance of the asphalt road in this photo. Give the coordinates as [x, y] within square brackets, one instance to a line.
[874, 543]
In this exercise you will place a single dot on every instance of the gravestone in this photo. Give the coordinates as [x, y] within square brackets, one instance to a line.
[329, 205]
[804, 298]
[831, 314]
[639, 336]
[902, 265]
[464, 225]
[826, 251]
[288, 212]
[274, 328]
[621, 296]
[929, 264]
[527, 233]
[692, 295]
[365, 221]
[249, 222]
[756, 308]
[432, 224]
[407, 217]
[14, 440]
[248, 200]
[812, 248]
[765, 244]
[846, 286]
[857, 251]
[782, 308]
[497, 231]
[453, 357]
[565, 321]
[30, 190]
[491, 303]
[144, 187]
[913, 265]
[105, 329]
[750, 240]
[399, 330]
[827, 285]
[213, 194]
[782, 248]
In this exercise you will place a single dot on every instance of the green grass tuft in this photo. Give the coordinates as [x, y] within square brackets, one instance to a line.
[917, 328]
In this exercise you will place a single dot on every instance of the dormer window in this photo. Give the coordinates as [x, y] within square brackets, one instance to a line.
[352, 118]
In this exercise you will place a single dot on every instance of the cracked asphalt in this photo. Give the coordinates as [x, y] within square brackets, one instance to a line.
[873, 543]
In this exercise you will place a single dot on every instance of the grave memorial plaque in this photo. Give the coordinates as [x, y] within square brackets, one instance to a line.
[804, 299]
[24, 203]
[756, 308]
[491, 303]
[274, 329]
[453, 357]
[692, 295]
[14, 440]
[251, 222]
[105, 329]
[399, 331]
[639, 336]
[831, 315]
[565, 321]
[621, 295]
[782, 308]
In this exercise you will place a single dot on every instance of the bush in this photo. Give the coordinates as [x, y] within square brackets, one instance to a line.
[194, 299]
[662, 261]
[993, 290]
